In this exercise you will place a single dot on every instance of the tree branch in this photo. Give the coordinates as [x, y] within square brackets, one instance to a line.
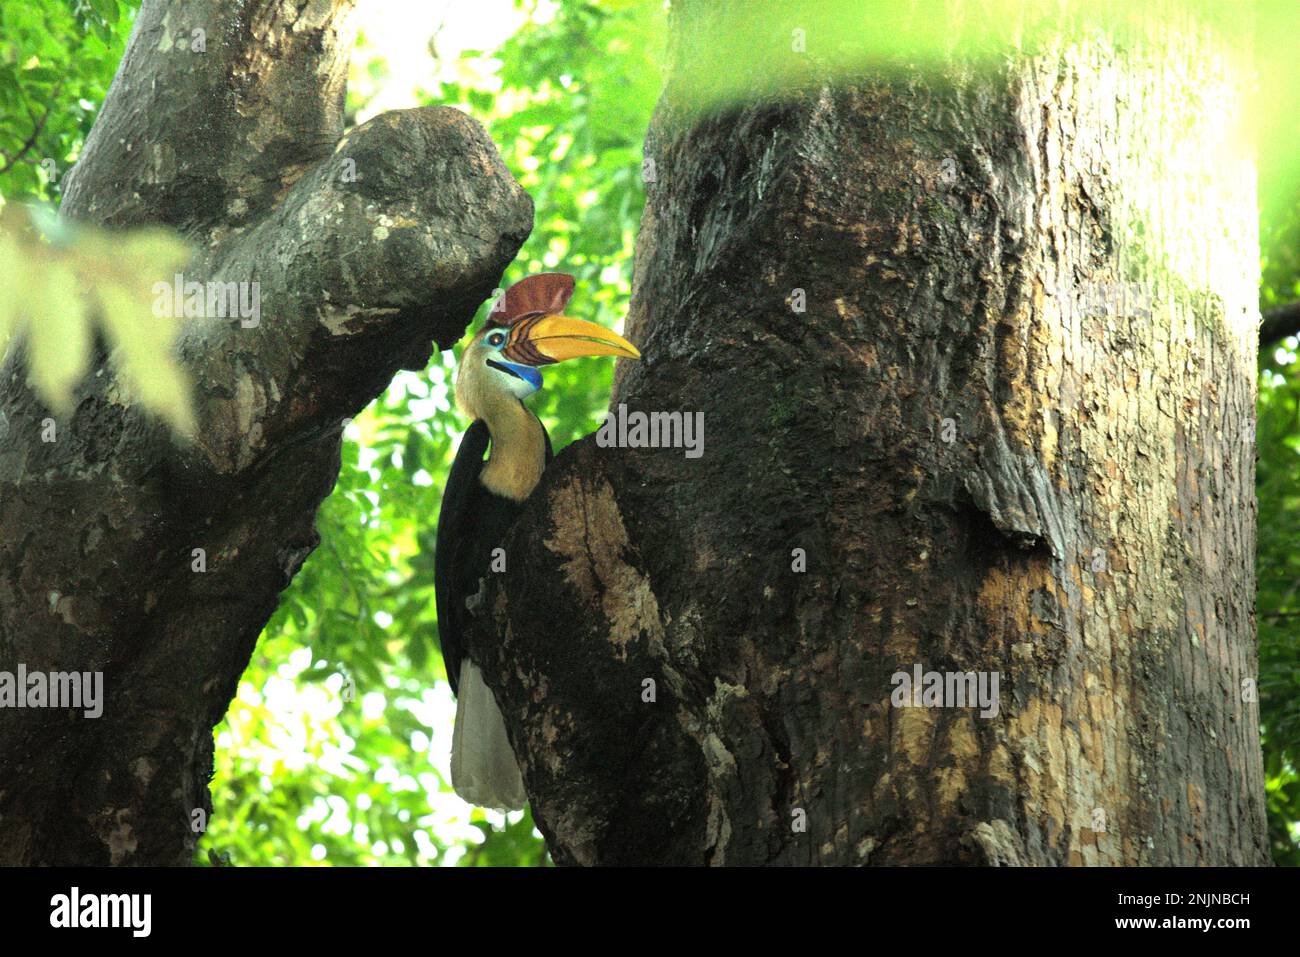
[360, 277]
[209, 139]
[31, 140]
[1279, 322]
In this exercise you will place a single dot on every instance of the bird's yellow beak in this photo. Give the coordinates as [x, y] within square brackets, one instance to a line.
[563, 337]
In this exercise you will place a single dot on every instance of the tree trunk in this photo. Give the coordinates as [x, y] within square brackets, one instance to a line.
[980, 341]
[366, 249]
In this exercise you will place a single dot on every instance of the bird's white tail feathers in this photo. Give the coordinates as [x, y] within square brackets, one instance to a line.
[483, 768]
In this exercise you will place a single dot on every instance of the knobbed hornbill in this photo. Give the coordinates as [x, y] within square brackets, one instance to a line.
[524, 331]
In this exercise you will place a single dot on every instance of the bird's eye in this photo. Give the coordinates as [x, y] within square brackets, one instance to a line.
[496, 338]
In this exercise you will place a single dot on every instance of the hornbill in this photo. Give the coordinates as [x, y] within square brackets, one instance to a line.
[498, 370]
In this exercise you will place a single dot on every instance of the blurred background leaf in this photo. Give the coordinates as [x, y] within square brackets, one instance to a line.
[61, 284]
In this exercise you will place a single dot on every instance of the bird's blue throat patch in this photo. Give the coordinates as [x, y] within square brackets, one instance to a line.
[527, 373]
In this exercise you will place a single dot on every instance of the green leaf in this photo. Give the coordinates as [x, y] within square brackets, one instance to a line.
[107, 10]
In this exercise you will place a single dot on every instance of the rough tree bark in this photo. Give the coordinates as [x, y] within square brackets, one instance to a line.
[973, 244]
[367, 248]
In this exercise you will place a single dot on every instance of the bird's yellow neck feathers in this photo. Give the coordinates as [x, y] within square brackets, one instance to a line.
[518, 455]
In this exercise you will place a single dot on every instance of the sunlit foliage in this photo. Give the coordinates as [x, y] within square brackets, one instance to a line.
[57, 58]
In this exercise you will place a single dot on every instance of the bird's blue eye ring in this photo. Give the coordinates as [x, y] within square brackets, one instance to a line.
[496, 339]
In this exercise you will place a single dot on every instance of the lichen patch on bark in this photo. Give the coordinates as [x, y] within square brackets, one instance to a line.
[592, 543]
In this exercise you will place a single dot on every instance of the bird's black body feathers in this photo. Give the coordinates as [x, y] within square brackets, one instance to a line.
[472, 522]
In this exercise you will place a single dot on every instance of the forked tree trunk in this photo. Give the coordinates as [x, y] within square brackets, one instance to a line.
[154, 562]
[1012, 430]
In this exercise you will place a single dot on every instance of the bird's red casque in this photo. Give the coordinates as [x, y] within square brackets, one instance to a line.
[523, 305]
[546, 293]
